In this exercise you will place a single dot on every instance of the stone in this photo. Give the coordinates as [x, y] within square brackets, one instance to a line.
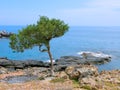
[95, 57]
[5, 34]
[88, 80]
[105, 79]
[60, 67]
[5, 62]
[62, 74]
[80, 71]
[69, 70]
[35, 70]
[34, 63]
[59, 64]
[19, 79]
[66, 61]
[18, 64]
[3, 70]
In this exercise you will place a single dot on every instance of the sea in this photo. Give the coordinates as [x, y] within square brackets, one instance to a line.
[78, 39]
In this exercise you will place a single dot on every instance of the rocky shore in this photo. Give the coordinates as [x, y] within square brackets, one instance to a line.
[78, 73]
[5, 34]
[78, 77]
[75, 73]
[59, 64]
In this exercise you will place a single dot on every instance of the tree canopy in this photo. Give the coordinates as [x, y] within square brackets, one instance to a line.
[39, 34]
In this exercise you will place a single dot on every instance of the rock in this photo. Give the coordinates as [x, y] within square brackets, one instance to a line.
[62, 74]
[39, 71]
[87, 70]
[80, 71]
[34, 63]
[17, 64]
[60, 67]
[66, 61]
[3, 70]
[5, 34]
[105, 79]
[4, 58]
[88, 58]
[88, 80]
[19, 79]
[5, 62]
[59, 64]
[69, 70]
[99, 58]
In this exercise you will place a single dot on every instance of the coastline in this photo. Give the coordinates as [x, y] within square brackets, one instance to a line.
[86, 76]
[82, 38]
[60, 63]
[18, 70]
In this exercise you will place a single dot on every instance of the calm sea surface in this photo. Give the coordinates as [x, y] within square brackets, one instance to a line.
[77, 39]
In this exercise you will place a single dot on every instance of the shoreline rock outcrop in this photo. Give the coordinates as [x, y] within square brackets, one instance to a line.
[86, 76]
[69, 68]
[80, 71]
[66, 61]
[59, 64]
[19, 64]
[5, 34]
[95, 56]
[85, 58]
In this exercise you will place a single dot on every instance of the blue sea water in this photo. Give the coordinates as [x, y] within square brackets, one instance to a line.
[77, 39]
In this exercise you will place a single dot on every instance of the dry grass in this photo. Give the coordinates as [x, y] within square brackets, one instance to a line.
[107, 82]
[37, 85]
[16, 73]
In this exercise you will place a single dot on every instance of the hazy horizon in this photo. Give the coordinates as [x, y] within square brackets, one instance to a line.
[75, 13]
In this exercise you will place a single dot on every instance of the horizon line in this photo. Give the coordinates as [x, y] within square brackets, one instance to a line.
[72, 25]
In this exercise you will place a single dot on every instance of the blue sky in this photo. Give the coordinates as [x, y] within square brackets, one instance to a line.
[73, 12]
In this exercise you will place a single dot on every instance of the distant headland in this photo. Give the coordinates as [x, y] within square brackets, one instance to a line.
[5, 34]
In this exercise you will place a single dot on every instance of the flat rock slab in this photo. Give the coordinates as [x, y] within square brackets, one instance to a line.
[19, 79]
[66, 61]
[18, 64]
[78, 60]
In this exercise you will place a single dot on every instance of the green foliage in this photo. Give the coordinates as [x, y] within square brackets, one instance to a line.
[38, 34]
[58, 80]
[25, 39]
[86, 87]
[41, 78]
[76, 83]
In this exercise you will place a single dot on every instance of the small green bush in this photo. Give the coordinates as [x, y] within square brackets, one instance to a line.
[76, 83]
[87, 87]
[41, 78]
[57, 80]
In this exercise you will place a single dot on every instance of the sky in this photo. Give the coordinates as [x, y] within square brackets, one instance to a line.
[73, 12]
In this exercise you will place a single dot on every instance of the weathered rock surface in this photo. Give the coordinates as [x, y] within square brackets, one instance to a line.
[81, 60]
[17, 64]
[3, 70]
[66, 61]
[38, 71]
[5, 34]
[80, 71]
[87, 76]
[67, 68]
[95, 56]
[106, 80]
[19, 79]
[59, 64]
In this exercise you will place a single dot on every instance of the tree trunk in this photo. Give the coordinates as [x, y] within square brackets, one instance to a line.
[51, 60]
